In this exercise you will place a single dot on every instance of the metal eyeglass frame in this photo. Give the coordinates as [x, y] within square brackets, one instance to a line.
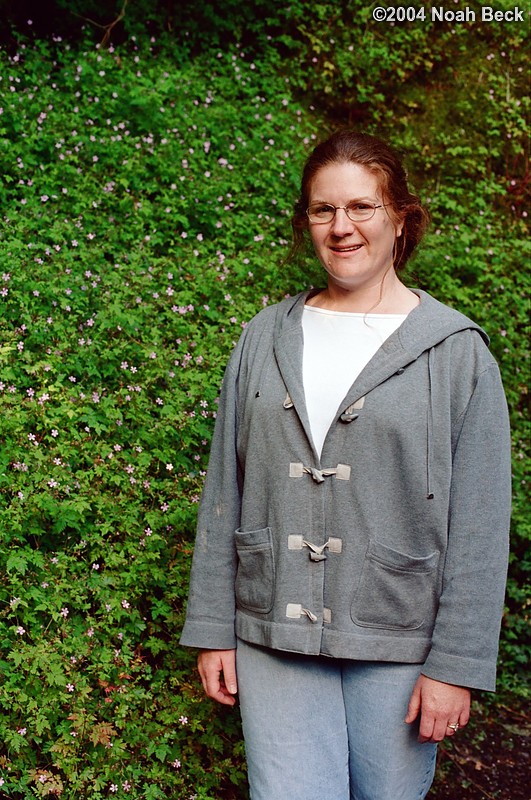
[346, 210]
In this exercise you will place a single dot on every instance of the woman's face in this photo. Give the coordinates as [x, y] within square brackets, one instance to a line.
[355, 255]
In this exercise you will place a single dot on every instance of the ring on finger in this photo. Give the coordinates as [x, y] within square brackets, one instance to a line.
[455, 726]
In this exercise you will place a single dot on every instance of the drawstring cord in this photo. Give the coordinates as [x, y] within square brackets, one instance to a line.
[429, 426]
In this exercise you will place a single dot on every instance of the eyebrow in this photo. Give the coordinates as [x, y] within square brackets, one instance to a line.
[354, 200]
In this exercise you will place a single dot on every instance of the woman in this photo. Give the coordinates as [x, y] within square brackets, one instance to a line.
[349, 569]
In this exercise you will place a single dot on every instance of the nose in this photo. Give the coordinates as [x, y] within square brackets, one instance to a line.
[341, 225]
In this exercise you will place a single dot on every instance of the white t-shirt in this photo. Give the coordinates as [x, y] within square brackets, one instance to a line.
[337, 346]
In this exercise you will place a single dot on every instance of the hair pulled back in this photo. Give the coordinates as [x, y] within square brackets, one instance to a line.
[350, 147]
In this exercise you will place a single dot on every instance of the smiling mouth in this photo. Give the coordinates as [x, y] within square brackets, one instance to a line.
[350, 249]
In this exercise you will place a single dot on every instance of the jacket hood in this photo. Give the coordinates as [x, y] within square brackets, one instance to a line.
[426, 325]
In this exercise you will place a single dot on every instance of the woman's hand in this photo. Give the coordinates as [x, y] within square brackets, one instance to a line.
[217, 669]
[440, 705]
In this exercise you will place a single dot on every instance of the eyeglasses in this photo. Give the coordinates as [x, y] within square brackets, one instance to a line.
[321, 213]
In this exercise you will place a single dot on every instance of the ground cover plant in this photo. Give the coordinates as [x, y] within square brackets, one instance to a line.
[146, 192]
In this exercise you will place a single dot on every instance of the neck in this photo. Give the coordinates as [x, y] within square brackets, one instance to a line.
[389, 296]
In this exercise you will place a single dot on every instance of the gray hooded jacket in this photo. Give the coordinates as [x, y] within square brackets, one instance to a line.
[390, 547]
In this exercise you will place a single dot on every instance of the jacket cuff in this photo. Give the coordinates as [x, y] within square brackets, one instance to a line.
[208, 636]
[458, 671]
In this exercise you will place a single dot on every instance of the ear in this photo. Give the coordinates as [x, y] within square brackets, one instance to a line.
[400, 220]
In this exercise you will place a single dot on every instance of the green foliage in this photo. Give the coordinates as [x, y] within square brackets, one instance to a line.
[143, 208]
[146, 191]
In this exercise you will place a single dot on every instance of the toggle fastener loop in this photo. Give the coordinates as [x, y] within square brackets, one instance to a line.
[316, 551]
[348, 417]
[295, 611]
[348, 414]
[341, 472]
[288, 402]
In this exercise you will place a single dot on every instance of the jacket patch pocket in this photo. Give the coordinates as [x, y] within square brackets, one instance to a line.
[396, 591]
[256, 570]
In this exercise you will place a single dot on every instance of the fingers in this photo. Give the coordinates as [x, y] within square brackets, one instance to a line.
[452, 728]
[229, 672]
[460, 722]
[442, 707]
[413, 708]
[217, 669]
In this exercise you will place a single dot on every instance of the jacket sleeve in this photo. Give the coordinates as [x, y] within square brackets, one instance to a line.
[465, 638]
[211, 601]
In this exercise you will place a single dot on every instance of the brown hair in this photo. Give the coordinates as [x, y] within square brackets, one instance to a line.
[378, 157]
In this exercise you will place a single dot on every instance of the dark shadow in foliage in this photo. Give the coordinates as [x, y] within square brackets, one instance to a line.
[206, 24]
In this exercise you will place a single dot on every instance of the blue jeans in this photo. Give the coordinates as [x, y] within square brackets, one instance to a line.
[317, 728]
